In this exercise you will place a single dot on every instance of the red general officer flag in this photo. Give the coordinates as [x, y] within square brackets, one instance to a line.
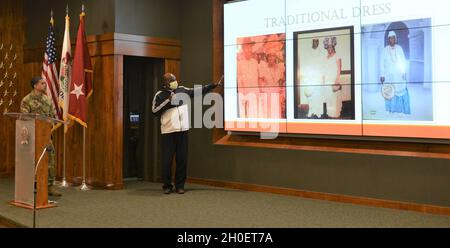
[81, 82]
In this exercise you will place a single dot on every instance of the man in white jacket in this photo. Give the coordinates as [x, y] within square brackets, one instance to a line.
[174, 119]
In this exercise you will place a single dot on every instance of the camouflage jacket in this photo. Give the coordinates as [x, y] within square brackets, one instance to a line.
[33, 103]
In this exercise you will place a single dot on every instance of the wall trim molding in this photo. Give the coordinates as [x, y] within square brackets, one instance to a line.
[401, 149]
[373, 202]
[109, 44]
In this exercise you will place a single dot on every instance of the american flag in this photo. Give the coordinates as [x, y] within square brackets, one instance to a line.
[49, 72]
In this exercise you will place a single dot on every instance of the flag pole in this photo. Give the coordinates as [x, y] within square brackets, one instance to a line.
[83, 184]
[64, 182]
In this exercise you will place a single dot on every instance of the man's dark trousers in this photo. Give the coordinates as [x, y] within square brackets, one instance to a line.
[174, 143]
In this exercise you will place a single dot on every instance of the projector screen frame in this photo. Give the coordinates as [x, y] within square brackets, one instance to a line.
[410, 147]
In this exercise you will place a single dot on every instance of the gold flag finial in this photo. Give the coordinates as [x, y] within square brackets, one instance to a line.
[67, 12]
[51, 17]
[82, 10]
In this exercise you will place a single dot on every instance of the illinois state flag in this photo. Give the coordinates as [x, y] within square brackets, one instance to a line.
[65, 73]
[81, 82]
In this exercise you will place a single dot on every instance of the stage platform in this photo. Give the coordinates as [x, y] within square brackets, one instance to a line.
[142, 204]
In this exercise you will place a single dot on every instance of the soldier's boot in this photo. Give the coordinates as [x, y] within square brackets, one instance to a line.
[53, 191]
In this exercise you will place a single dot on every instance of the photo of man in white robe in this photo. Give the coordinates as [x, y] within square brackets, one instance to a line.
[393, 71]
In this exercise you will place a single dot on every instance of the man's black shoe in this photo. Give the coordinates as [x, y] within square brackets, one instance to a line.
[180, 191]
[167, 191]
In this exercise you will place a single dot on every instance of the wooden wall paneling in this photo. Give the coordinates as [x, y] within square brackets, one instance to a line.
[12, 32]
[7, 150]
[101, 151]
[147, 50]
[74, 154]
[95, 116]
[115, 177]
[102, 48]
[58, 143]
[172, 66]
[135, 45]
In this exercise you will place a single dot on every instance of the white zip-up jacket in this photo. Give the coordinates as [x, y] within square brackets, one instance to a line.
[174, 117]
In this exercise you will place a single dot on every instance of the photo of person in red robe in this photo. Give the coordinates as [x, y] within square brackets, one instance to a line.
[261, 76]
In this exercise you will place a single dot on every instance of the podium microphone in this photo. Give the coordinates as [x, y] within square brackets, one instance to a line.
[49, 148]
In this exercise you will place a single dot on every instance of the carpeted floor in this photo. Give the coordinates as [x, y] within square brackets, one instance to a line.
[142, 204]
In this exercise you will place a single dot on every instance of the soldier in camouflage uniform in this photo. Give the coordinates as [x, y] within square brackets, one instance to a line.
[38, 102]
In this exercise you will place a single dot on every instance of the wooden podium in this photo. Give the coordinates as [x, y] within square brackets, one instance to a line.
[32, 139]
